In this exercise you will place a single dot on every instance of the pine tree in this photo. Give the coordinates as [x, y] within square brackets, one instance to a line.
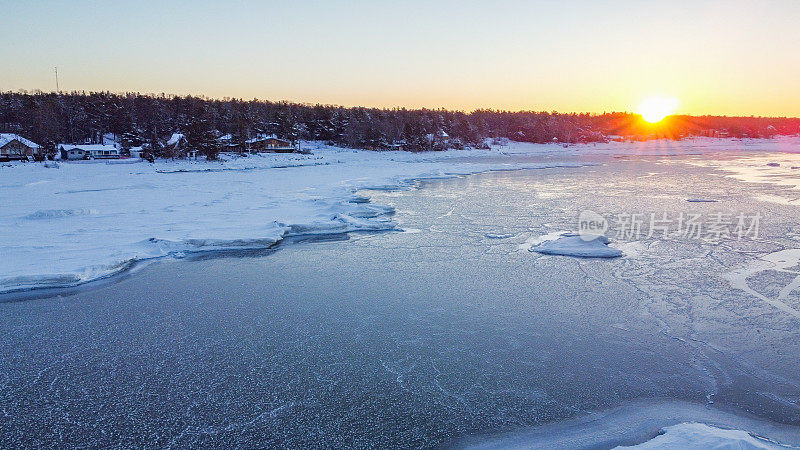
[202, 137]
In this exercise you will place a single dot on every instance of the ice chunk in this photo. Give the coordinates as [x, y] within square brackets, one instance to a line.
[582, 246]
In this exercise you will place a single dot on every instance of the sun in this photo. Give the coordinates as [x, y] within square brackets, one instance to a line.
[655, 109]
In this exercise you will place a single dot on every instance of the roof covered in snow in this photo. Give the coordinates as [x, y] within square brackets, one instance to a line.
[264, 137]
[88, 147]
[175, 138]
[5, 138]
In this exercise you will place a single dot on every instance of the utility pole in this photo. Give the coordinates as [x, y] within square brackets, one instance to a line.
[57, 89]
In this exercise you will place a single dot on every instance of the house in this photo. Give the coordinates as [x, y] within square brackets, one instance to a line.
[136, 152]
[227, 144]
[16, 147]
[271, 143]
[88, 151]
[439, 136]
[176, 145]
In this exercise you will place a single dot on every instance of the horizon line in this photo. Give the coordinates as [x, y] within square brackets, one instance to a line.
[386, 108]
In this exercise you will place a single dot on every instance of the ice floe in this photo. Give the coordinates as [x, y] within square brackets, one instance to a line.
[578, 245]
[536, 240]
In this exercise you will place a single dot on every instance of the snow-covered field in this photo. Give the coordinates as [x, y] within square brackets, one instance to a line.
[71, 222]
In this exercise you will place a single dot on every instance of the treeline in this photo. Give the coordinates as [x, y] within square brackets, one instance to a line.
[148, 120]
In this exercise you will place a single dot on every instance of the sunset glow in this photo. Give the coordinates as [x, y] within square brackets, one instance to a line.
[655, 109]
[527, 62]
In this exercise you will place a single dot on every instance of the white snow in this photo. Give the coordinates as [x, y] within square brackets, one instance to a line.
[701, 436]
[71, 222]
[5, 138]
[174, 139]
[68, 223]
[263, 137]
[536, 240]
[582, 246]
[92, 148]
[650, 424]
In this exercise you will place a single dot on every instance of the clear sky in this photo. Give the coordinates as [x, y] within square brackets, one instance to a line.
[730, 57]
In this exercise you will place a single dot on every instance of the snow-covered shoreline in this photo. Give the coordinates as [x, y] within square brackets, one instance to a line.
[649, 423]
[67, 224]
[70, 223]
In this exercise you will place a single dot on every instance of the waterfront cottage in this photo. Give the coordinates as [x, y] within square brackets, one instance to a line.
[88, 151]
[176, 146]
[16, 147]
[269, 144]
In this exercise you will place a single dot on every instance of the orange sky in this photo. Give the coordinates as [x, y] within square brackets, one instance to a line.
[717, 57]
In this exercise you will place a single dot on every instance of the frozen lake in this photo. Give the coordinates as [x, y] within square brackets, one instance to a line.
[449, 333]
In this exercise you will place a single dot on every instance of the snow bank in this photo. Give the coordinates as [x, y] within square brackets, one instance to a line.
[702, 436]
[582, 246]
[85, 221]
[649, 424]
